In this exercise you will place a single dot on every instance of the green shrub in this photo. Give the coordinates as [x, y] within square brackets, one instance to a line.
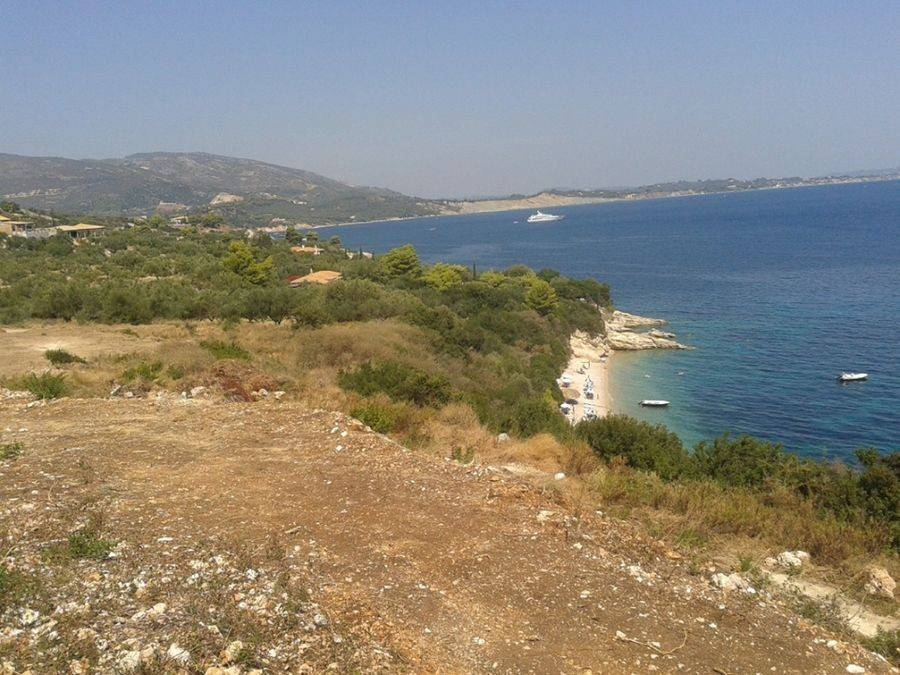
[225, 350]
[175, 372]
[443, 277]
[10, 450]
[642, 445]
[540, 296]
[242, 260]
[399, 262]
[886, 643]
[399, 381]
[381, 417]
[44, 386]
[85, 544]
[463, 455]
[88, 544]
[536, 414]
[880, 483]
[145, 371]
[59, 357]
[744, 461]
[15, 587]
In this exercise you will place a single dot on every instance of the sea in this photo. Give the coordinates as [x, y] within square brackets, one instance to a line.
[777, 290]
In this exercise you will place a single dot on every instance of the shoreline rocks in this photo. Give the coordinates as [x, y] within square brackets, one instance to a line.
[628, 332]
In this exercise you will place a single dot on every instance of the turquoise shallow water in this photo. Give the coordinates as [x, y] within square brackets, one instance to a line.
[779, 291]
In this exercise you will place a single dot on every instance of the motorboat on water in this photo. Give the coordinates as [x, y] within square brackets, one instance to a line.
[541, 217]
[853, 377]
[654, 403]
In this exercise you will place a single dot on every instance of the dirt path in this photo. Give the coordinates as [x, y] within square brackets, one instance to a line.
[432, 565]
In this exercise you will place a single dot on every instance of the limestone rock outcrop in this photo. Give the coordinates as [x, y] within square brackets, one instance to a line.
[627, 332]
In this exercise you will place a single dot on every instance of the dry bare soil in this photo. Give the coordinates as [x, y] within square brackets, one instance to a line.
[269, 536]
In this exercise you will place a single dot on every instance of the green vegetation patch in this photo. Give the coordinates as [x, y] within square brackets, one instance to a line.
[44, 385]
[85, 544]
[222, 350]
[381, 417]
[60, 357]
[745, 471]
[10, 450]
[886, 643]
[643, 445]
[16, 587]
[399, 381]
[143, 371]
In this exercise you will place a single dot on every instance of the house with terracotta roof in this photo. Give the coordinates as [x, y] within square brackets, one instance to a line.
[315, 250]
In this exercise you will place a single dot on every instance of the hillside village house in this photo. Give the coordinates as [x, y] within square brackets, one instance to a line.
[80, 230]
[24, 228]
[14, 228]
[315, 250]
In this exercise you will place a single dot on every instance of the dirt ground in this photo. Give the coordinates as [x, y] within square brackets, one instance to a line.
[317, 544]
[22, 347]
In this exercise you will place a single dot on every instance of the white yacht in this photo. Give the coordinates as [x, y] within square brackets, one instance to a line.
[853, 377]
[652, 403]
[541, 217]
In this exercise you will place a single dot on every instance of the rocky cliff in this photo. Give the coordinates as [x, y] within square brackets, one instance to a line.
[630, 332]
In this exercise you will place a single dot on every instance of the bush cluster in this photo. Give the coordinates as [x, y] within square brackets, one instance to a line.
[399, 381]
[870, 493]
[500, 338]
[60, 357]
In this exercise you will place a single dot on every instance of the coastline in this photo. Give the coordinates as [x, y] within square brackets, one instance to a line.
[591, 357]
[554, 201]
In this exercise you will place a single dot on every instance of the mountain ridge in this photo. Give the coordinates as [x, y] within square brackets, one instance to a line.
[249, 192]
[141, 183]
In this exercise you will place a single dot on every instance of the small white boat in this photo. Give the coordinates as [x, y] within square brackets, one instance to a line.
[654, 403]
[541, 217]
[853, 377]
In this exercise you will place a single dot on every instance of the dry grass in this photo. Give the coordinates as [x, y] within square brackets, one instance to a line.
[713, 511]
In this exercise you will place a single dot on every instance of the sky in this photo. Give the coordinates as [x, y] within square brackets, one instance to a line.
[445, 99]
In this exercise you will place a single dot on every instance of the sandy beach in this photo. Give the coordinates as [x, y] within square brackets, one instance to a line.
[590, 359]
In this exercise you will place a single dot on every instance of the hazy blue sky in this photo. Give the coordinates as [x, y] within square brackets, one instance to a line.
[457, 98]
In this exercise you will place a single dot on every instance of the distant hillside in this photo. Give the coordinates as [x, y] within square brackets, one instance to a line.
[568, 197]
[251, 193]
[247, 192]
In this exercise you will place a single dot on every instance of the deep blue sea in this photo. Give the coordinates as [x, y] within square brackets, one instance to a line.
[778, 290]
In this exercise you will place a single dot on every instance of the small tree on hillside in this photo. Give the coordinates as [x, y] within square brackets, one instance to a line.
[241, 260]
[444, 277]
[541, 296]
[399, 262]
[291, 236]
